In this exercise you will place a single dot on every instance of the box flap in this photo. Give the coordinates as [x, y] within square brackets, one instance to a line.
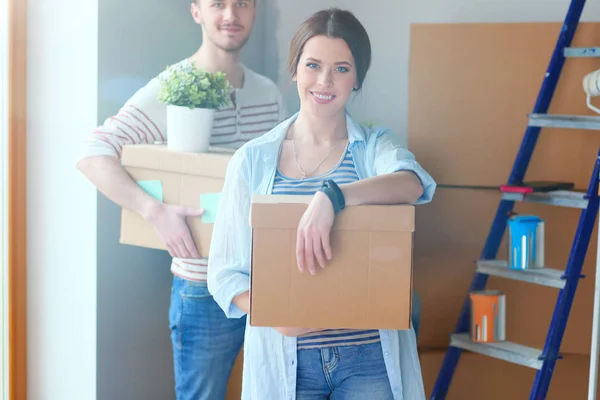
[284, 212]
[159, 157]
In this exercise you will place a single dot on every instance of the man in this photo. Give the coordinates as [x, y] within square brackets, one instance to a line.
[205, 342]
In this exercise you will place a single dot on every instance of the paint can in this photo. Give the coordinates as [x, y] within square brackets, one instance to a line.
[488, 316]
[525, 242]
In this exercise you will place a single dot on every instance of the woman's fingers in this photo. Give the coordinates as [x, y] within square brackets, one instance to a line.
[318, 250]
[325, 239]
[300, 250]
[312, 247]
[309, 257]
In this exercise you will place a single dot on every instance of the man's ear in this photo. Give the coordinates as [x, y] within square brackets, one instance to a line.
[196, 13]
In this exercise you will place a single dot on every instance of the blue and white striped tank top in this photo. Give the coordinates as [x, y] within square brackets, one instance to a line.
[344, 172]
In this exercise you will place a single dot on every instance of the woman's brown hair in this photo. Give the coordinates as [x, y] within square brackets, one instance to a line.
[339, 24]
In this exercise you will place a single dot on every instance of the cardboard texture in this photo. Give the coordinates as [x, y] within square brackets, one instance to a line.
[234, 384]
[480, 96]
[186, 179]
[367, 284]
[478, 377]
[468, 103]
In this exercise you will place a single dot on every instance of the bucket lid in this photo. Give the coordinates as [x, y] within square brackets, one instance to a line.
[525, 218]
[487, 292]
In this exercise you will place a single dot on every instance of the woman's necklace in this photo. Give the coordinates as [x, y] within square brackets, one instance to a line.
[304, 174]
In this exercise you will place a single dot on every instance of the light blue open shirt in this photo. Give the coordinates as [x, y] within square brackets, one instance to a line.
[269, 371]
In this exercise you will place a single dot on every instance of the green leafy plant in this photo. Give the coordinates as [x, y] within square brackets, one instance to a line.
[368, 124]
[185, 85]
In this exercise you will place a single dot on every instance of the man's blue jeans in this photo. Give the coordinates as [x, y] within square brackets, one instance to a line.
[416, 312]
[205, 342]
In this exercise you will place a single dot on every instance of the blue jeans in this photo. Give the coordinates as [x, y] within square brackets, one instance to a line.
[343, 373]
[416, 312]
[205, 342]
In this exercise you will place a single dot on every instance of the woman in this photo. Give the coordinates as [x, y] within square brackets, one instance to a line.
[329, 57]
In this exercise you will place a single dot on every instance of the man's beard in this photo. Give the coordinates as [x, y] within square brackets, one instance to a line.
[232, 48]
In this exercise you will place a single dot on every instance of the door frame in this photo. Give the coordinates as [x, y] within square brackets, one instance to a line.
[17, 195]
[3, 201]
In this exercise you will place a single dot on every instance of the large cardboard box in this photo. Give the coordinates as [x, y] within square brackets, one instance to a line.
[186, 179]
[234, 384]
[367, 284]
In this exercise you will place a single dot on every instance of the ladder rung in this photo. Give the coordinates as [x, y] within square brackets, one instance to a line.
[540, 276]
[562, 198]
[582, 52]
[564, 121]
[507, 351]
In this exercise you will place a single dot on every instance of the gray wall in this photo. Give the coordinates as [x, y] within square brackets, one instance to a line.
[134, 357]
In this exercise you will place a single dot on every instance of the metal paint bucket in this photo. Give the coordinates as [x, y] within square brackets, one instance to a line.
[488, 316]
[525, 242]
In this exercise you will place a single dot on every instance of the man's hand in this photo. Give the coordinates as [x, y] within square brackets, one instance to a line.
[169, 222]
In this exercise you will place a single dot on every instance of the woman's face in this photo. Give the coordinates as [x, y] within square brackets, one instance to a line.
[325, 75]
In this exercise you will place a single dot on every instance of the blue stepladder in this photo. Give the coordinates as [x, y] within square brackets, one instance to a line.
[543, 360]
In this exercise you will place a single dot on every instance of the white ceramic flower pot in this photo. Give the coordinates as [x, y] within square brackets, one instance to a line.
[189, 130]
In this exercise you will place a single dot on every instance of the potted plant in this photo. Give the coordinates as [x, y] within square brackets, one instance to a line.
[192, 95]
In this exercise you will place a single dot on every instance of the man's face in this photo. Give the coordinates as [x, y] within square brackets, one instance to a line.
[225, 23]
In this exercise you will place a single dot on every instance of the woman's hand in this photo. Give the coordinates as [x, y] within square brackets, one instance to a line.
[243, 301]
[313, 234]
[295, 332]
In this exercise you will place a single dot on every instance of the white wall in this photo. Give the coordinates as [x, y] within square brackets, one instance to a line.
[384, 99]
[61, 232]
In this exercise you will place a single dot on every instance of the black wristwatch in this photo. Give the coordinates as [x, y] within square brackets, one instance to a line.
[333, 191]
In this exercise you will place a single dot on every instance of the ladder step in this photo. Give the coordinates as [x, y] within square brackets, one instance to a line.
[581, 52]
[508, 351]
[562, 198]
[541, 276]
[565, 121]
